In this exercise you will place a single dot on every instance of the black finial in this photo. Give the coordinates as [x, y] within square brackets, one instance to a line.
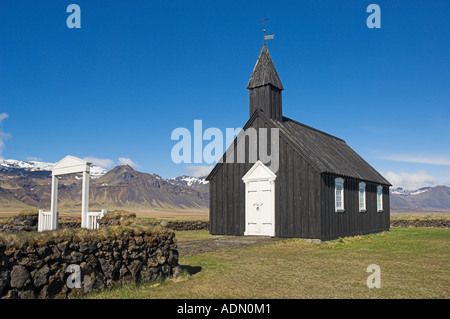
[264, 27]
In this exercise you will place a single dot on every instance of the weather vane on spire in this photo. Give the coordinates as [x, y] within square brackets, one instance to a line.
[266, 37]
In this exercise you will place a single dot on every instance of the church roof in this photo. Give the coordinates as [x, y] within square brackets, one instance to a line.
[325, 153]
[264, 72]
[328, 153]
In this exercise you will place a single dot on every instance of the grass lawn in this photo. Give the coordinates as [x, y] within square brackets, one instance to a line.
[415, 263]
[194, 235]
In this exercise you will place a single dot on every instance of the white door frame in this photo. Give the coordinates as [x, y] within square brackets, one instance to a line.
[260, 173]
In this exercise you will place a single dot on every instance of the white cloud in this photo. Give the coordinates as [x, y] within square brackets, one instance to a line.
[3, 116]
[411, 181]
[102, 162]
[199, 171]
[3, 135]
[128, 161]
[34, 158]
[422, 159]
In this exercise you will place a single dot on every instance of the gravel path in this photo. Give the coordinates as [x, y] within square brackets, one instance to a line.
[223, 243]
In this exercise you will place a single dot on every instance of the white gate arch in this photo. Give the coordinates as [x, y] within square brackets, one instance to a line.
[70, 165]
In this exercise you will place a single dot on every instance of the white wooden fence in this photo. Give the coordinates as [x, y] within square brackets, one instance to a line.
[93, 217]
[44, 221]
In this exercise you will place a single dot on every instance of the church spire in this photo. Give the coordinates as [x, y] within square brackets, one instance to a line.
[265, 87]
[264, 72]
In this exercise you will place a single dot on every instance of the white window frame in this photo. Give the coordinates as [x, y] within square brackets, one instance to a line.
[362, 209]
[339, 182]
[379, 198]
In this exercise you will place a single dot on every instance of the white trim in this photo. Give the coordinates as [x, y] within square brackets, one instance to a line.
[44, 221]
[364, 208]
[85, 200]
[339, 181]
[54, 204]
[69, 165]
[379, 198]
[260, 173]
[94, 217]
[267, 174]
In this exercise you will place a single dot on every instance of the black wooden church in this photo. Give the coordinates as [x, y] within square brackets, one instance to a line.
[321, 190]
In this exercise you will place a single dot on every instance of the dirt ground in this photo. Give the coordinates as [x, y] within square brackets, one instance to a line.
[195, 247]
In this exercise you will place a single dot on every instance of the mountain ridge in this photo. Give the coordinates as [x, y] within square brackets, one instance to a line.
[25, 185]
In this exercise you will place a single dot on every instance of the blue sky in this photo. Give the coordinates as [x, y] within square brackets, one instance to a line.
[136, 70]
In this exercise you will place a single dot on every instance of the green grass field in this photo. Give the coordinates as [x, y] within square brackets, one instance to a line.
[415, 263]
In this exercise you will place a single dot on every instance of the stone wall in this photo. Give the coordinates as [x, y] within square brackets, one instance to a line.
[69, 224]
[6, 227]
[439, 223]
[106, 222]
[174, 225]
[38, 268]
[27, 223]
[21, 223]
[186, 225]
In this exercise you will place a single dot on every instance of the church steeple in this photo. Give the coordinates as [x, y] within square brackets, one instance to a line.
[265, 87]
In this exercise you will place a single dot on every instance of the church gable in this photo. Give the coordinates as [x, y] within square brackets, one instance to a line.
[257, 120]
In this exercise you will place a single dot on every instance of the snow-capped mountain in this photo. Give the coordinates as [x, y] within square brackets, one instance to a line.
[22, 168]
[97, 171]
[426, 199]
[405, 192]
[24, 185]
[188, 180]
[31, 166]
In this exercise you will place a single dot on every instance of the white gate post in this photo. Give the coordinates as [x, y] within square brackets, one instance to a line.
[40, 220]
[85, 200]
[54, 202]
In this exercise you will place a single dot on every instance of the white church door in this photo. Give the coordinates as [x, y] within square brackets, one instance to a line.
[259, 201]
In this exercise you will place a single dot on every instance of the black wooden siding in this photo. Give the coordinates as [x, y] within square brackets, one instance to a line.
[268, 99]
[352, 222]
